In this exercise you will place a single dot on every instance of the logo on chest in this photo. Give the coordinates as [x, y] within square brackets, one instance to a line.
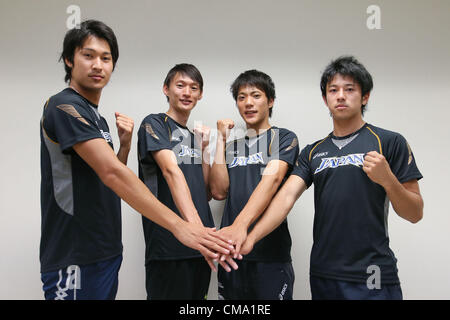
[188, 152]
[356, 159]
[243, 161]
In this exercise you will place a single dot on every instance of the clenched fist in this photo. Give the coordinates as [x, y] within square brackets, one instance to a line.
[125, 127]
[202, 134]
[223, 127]
[377, 168]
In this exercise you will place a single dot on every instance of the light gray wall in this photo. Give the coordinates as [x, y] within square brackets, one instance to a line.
[290, 40]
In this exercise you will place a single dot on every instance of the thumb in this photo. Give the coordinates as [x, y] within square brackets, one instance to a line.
[117, 114]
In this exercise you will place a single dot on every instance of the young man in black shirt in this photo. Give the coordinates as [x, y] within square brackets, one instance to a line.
[356, 170]
[247, 173]
[173, 164]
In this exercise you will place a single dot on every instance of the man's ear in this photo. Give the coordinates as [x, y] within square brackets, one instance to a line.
[166, 90]
[365, 98]
[68, 63]
[325, 100]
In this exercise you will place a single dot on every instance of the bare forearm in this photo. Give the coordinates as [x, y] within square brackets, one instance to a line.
[258, 202]
[182, 195]
[119, 178]
[406, 199]
[278, 209]
[218, 175]
[206, 168]
[262, 195]
[128, 187]
[123, 153]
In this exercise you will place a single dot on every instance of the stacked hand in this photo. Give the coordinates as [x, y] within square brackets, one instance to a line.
[206, 240]
[237, 236]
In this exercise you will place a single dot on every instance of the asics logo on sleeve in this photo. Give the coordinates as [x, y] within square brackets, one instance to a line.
[356, 159]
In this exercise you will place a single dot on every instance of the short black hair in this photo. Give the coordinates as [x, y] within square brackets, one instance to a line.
[256, 79]
[186, 69]
[75, 38]
[347, 66]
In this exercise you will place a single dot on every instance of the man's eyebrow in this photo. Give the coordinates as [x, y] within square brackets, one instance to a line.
[92, 50]
[345, 85]
[251, 92]
[189, 83]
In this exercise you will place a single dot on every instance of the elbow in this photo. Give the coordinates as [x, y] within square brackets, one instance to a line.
[418, 215]
[218, 187]
[173, 174]
[416, 219]
[218, 194]
[274, 184]
[277, 180]
[169, 172]
[109, 174]
[219, 197]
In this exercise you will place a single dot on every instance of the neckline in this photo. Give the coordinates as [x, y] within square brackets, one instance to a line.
[90, 103]
[178, 124]
[259, 135]
[332, 136]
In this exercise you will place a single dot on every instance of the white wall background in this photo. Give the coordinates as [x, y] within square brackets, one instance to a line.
[291, 40]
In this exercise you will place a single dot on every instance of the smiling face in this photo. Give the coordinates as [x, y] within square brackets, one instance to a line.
[183, 93]
[254, 107]
[344, 98]
[92, 66]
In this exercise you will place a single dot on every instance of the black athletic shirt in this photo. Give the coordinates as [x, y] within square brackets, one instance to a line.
[350, 222]
[158, 132]
[81, 218]
[246, 160]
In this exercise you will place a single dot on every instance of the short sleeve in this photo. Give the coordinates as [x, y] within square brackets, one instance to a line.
[401, 159]
[69, 124]
[284, 146]
[153, 135]
[302, 167]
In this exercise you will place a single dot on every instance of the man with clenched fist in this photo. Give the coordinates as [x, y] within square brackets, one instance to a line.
[356, 170]
[171, 164]
[247, 172]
